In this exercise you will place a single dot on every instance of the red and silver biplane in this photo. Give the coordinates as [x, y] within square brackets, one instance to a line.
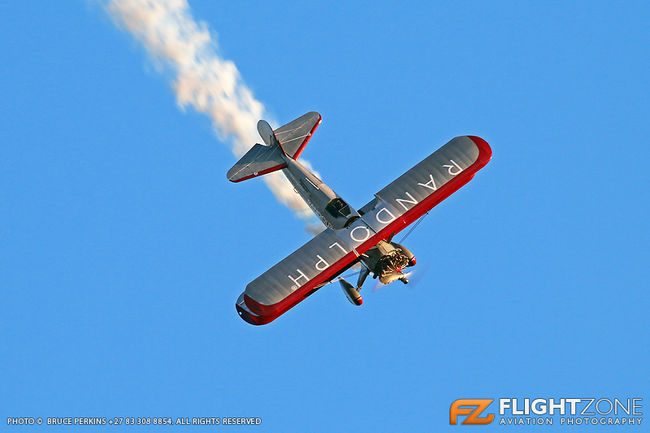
[352, 237]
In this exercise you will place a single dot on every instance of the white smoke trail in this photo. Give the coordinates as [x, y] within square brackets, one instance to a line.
[202, 79]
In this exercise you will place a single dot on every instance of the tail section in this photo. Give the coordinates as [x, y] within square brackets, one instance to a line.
[286, 141]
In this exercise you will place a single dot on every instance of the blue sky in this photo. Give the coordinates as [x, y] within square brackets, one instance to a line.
[124, 247]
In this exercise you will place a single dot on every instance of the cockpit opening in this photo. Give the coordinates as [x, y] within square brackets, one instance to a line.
[338, 208]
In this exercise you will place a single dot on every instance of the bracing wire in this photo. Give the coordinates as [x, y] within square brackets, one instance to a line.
[413, 227]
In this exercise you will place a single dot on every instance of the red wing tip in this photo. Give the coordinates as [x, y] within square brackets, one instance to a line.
[482, 144]
[252, 318]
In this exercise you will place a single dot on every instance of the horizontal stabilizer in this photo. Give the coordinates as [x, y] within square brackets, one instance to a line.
[293, 136]
[257, 161]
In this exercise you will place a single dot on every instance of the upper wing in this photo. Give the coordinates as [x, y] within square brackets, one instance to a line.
[293, 136]
[393, 208]
[424, 186]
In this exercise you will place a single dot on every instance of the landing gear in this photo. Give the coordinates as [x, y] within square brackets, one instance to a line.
[385, 261]
[351, 293]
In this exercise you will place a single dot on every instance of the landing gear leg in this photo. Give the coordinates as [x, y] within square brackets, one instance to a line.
[362, 276]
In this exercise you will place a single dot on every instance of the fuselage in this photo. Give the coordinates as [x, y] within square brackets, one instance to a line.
[332, 210]
[386, 260]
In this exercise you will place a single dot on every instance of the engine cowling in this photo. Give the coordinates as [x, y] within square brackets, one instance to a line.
[390, 267]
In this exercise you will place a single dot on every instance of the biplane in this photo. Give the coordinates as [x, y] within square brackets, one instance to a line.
[362, 237]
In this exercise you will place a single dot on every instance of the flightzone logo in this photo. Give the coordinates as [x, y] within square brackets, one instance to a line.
[464, 407]
[547, 411]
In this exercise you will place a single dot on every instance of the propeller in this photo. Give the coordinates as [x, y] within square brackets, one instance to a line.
[414, 277]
